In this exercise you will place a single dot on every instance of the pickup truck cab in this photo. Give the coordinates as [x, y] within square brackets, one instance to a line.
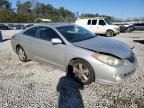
[99, 25]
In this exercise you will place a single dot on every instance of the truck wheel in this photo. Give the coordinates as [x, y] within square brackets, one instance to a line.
[109, 33]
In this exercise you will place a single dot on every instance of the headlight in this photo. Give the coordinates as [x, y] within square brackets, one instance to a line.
[108, 59]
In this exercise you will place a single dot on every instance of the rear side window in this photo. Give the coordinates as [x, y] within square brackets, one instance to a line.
[89, 22]
[46, 33]
[101, 22]
[31, 32]
[94, 22]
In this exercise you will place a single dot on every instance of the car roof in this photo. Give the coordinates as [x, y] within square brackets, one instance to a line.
[52, 25]
[55, 25]
[91, 18]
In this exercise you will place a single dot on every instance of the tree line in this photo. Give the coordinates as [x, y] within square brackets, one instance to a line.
[28, 11]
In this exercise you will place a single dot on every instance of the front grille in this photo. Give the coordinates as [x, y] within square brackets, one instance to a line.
[131, 58]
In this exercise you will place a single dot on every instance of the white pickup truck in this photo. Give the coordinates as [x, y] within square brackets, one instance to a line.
[99, 25]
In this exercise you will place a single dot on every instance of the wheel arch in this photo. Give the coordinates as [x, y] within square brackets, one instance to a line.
[69, 68]
[109, 30]
[26, 51]
[76, 58]
[18, 45]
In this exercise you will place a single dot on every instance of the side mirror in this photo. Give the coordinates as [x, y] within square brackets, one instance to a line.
[56, 41]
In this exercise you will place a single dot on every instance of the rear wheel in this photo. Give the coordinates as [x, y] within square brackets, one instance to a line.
[109, 33]
[83, 72]
[128, 30]
[21, 54]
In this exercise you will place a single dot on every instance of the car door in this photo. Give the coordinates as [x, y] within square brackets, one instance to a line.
[101, 27]
[45, 51]
[26, 41]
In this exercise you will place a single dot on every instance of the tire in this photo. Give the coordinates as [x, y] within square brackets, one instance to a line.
[21, 54]
[109, 33]
[128, 30]
[86, 78]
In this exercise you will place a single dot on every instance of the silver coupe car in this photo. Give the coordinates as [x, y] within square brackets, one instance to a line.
[86, 56]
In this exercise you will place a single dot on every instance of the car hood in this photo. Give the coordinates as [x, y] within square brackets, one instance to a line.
[105, 45]
[114, 26]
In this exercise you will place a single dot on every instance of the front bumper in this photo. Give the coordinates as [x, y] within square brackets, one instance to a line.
[107, 74]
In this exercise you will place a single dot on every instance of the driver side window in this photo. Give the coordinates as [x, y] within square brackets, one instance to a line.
[46, 33]
[101, 22]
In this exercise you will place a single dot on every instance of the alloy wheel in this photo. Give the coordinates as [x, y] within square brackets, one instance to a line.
[81, 72]
[21, 54]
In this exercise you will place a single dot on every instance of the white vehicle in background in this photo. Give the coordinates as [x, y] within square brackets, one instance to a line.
[99, 25]
[127, 25]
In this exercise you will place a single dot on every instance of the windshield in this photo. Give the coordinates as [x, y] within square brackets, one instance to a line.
[75, 33]
[108, 22]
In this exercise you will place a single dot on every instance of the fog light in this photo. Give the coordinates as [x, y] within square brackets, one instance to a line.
[118, 77]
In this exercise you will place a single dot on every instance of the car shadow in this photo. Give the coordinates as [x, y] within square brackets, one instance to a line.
[139, 41]
[4, 40]
[69, 93]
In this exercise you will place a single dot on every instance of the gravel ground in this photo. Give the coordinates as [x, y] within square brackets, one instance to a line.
[35, 85]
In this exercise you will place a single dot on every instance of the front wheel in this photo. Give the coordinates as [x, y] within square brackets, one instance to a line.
[21, 54]
[109, 33]
[83, 72]
[128, 30]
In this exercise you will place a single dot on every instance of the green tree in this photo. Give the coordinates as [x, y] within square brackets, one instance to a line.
[24, 8]
[24, 12]
[88, 15]
[66, 15]
[7, 16]
[56, 15]
[28, 12]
